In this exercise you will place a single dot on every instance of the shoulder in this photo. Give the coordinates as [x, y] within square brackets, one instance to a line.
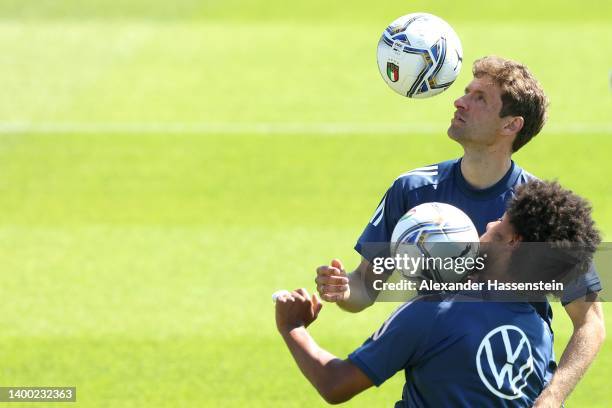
[425, 176]
[524, 176]
[520, 176]
[466, 304]
[415, 316]
[426, 305]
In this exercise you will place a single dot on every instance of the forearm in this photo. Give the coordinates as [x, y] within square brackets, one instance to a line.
[313, 361]
[579, 353]
[360, 298]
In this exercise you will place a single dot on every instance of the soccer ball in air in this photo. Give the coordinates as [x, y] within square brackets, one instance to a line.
[419, 55]
[439, 236]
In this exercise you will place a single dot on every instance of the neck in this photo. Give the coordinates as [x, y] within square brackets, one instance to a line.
[484, 167]
[491, 274]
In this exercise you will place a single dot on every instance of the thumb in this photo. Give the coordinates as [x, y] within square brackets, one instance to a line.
[336, 263]
[316, 304]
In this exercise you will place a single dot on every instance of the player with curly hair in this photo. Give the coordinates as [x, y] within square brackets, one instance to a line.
[456, 351]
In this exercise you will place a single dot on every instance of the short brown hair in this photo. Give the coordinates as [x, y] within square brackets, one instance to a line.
[521, 94]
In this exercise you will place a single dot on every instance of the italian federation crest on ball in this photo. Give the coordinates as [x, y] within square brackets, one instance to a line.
[419, 55]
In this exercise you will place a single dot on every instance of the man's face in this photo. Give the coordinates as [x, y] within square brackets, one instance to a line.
[499, 232]
[476, 119]
[498, 243]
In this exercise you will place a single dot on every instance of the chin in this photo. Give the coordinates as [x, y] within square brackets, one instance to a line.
[453, 133]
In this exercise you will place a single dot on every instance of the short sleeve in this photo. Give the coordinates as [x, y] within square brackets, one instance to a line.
[582, 286]
[398, 343]
[375, 238]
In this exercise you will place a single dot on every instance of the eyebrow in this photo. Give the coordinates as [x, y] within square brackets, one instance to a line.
[467, 90]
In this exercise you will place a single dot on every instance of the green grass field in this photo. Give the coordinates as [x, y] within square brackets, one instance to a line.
[164, 167]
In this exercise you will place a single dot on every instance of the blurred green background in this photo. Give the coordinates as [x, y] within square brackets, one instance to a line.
[165, 166]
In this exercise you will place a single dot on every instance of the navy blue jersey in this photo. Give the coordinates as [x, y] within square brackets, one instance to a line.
[461, 354]
[444, 183]
[441, 183]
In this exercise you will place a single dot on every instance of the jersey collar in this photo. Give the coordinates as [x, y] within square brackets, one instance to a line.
[506, 183]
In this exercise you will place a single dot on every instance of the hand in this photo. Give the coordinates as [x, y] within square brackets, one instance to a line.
[296, 309]
[332, 282]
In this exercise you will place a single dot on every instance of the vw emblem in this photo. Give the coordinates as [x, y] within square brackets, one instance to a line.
[504, 361]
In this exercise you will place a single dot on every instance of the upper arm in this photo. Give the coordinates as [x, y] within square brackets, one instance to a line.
[586, 310]
[398, 343]
[347, 381]
[374, 240]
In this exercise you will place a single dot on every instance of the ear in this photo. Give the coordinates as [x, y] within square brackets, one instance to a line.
[515, 241]
[514, 125]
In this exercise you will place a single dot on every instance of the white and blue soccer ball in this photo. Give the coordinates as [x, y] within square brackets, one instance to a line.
[442, 236]
[419, 55]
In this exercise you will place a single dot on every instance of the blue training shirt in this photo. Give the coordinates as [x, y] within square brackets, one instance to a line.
[444, 183]
[458, 353]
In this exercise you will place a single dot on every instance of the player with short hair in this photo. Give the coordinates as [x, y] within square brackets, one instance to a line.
[502, 109]
[456, 351]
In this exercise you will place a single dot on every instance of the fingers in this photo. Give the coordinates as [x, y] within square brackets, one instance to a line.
[314, 300]
[333, 297]
[284, 298]
[335, 268]
[326, 270]
[332, 280]
[302, 294]
[278, 294]
[330, 275]
[336, 263]
[296, 309]
[332, 289]
[331, 284]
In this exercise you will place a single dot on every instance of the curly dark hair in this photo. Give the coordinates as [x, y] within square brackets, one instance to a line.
[543, 211]
[558, 234]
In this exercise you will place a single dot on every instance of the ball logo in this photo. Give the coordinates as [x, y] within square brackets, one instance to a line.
[392, 71]
[504, 361]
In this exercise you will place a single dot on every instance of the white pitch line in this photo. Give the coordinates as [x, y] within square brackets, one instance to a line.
[216, 128]
[273, 128]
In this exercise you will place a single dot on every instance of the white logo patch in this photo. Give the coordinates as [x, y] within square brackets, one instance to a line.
[512, 374]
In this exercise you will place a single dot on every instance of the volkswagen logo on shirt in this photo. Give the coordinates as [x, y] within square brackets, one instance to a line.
[504, 361]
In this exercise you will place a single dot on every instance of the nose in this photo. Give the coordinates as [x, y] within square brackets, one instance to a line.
[460, 103]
